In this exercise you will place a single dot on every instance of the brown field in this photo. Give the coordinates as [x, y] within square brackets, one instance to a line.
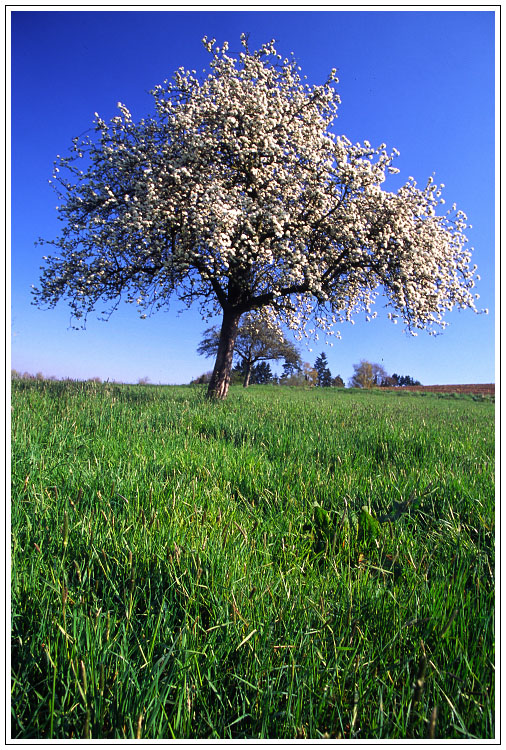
[484, 389]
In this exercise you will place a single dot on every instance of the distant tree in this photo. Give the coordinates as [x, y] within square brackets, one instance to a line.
[257, 339]
[237, 374]
[363, 376]
[310, 375]
[236, 377]
[370, 375]
[143, 381]
[380, 375]
[338, 382]
[237, 194]
[289, 369]
[322, 370]
[261, 373]
[402, 380]
[306, 375]
[388, 382]
[202, 379]
[15, 375]
[296, 378]
[292, 378]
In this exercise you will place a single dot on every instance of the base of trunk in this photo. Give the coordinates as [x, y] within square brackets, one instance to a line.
[218, 392]
[220, 379]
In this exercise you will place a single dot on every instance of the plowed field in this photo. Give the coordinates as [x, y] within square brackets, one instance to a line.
[486, 389]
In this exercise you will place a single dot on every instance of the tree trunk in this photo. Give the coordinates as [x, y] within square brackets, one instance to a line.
[247, 374]
[220, 379]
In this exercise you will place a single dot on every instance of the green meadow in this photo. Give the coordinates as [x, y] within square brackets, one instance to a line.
[289, 563]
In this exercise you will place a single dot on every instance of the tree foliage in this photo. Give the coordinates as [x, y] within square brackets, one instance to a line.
[402, 380]
[237, 195]
[289, 369]
[367, 375]
[323, 371]
[309, 374]
[370, 375]
[261, 373]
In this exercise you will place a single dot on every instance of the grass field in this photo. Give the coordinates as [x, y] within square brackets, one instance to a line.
[286, 564]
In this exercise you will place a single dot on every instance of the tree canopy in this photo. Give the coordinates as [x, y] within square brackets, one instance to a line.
[237, 195]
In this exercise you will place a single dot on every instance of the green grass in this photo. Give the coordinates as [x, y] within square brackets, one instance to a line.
[286, 564]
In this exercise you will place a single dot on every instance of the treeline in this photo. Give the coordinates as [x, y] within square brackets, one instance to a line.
[371, 375]
[17, 375]
[259, 341]
[366, 375]
[292, 374]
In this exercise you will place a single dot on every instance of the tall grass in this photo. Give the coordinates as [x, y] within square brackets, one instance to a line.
[286, 564]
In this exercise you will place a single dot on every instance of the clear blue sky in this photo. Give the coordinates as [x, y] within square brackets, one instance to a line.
[420, 81]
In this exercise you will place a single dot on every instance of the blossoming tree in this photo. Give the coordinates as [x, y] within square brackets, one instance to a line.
[237, 195]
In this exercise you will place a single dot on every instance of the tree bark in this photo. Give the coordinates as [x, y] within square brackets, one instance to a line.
[247, 374]
[220, 379]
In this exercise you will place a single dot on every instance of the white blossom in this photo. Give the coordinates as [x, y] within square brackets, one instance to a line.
[238, 194]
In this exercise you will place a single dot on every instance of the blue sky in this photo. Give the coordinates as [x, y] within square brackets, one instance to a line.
[419, 81]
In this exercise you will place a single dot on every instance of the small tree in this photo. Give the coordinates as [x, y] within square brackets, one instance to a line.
[338, 382]
[363, 376]
[257, 339]
[309, 374]
[261, 373]
[289, 369]
[323, 372]
[238, 195]
[304, 376]
[368, 375]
